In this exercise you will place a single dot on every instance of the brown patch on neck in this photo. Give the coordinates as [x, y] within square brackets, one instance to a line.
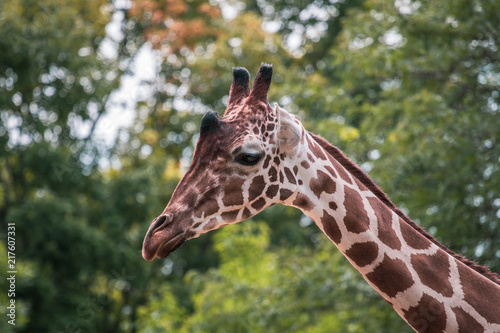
[384, 221]
[356, 219]
[256, 187]
[466, 323]
[303, 202]
[391, 276]
[331, 227]
[479, 294]
[323, 183]
[434, 271]
[427, 316]
[360, 175]
[363, 254]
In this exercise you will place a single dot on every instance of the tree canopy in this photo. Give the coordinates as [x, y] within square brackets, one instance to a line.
[408, 89]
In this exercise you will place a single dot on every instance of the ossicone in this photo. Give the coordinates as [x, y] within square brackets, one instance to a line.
[262, 83]
[240, 89]
[209, 123]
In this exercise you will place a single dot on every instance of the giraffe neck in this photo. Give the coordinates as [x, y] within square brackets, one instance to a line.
[431, 288]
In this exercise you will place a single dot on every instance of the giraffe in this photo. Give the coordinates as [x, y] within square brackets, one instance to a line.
[257, 155]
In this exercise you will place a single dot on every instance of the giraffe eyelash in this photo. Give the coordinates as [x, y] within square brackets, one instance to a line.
[248, 159]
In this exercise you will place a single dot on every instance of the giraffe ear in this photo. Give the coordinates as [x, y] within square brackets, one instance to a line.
[289, 132]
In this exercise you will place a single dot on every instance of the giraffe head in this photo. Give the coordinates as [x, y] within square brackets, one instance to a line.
[238, 168]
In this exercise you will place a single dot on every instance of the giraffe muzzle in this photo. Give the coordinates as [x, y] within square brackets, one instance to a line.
[162, 238]
[161, 222]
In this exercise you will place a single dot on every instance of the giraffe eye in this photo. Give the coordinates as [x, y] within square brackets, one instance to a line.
[248, 159]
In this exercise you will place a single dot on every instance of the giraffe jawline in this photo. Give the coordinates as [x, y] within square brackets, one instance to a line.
[170, 245]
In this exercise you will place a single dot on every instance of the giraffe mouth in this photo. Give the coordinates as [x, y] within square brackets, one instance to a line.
[170, 245]
[161, 239]
[161, 248]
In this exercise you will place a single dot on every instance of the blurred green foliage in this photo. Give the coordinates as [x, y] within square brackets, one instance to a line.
[257, 288]
[408, 89]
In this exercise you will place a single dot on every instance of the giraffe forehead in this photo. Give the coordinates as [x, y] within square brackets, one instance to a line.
[254, 130]
[250, 144]
[250, 111]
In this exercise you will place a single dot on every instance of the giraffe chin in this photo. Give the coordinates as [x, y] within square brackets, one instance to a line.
[162, 249]
[170, 246]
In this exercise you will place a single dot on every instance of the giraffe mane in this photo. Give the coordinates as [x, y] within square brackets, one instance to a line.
[370, 184]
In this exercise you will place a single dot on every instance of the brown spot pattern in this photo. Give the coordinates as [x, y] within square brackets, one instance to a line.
[190, 197]
[209, 207]
[230, 216]
[259, 203]
[477, 290]
[323, 183]
[466, 323]
[391, 276]
[256, 187]
[340, 169]
[413, 238]
[211, 224]
[305, 164]
[360, 185]
[318, 152]
[271, 191]
[434, 271]
[310, 143]
[246, 214]
[303, 202]
[331, 227]
[428, 316]
[206, 204]
[289, 175]
[356, 219]
[331, 171]
[309, 156]
[273, 174]
[333, 205]
[384, 220]
[285, 194]
[266, 162]
[316, 149]
[363, 253]
[233, 193]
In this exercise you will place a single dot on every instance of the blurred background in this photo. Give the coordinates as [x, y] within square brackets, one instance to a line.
[100, 105]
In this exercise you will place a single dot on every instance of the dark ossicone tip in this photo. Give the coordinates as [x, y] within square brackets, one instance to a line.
[241, 76]
[265, 71]
[262, 82]
[240, 88]
[209, 122]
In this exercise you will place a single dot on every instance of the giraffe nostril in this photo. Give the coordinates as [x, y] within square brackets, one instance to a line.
[161, 222]
[161, 219]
